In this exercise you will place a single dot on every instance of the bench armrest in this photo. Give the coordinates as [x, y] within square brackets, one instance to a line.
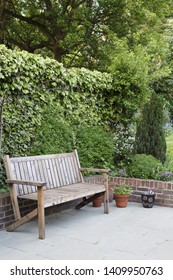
[95, 170]
[23, 182]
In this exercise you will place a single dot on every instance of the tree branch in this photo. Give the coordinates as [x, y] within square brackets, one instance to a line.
[30, 21]
[48, 4]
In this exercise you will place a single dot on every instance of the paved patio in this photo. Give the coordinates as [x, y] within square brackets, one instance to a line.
[132, 233]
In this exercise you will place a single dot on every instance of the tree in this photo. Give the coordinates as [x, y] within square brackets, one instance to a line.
[76, 32]
[150, 137]
[165, 85]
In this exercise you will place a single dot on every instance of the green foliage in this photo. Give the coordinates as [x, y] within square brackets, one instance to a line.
[124, 139]
[3, 186]
[137, 70]
[53, 135]
[28, 82]
[145, 167]
[169, 156]
[122, 189]
[131, 80]
[95, 146]
[150, 135]
[77, 32]
[23, 83]
[30, 87]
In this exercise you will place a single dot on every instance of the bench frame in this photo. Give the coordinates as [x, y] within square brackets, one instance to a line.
[40, 185]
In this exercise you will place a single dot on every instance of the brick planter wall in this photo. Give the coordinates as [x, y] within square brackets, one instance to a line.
[163, 190]
[26, 206]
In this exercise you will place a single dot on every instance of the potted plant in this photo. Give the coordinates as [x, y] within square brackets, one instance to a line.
[148, 198]
[121, 194]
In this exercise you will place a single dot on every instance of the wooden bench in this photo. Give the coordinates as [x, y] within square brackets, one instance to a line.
[50, 180]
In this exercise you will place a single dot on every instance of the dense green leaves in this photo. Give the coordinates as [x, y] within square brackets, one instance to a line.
[150, 136]
[145, 167]
[77, 32]
[53, 135]
[28, 82]
[95, 146]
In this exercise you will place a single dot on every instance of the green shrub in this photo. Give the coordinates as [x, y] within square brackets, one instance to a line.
[54, 135]
[95, 147]
[145, 167]
[3, 185]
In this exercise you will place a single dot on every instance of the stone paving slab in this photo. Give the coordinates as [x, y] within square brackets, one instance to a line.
[131, 233]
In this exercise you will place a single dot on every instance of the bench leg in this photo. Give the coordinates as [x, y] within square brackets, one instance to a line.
[41, 216]
[106, 194]
[106, 203]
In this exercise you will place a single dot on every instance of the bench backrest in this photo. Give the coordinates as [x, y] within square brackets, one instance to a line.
[56, 170]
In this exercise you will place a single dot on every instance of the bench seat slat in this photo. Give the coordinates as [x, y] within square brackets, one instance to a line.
[66, 193]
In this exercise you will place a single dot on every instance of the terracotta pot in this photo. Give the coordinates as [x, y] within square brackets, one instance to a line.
[121, 200]
[98, 201]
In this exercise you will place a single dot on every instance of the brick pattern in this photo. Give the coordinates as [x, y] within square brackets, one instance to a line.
[6, 212]
[26, 206]
[163, 190]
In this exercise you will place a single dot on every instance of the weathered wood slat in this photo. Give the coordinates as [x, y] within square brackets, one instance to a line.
[32, 173]
[67, 193]
[23, 182]
[30, 176]
[76, 163]
[57, 175]
[40, 157]
[16, 174]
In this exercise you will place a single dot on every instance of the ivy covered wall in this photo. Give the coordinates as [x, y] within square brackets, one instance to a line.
[29, 82]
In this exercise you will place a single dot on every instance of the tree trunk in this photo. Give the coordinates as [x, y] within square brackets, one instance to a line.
[57, 51]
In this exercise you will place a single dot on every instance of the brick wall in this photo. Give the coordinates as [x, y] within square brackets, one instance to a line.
[26, 206]
[6, 214]
[163, 190]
